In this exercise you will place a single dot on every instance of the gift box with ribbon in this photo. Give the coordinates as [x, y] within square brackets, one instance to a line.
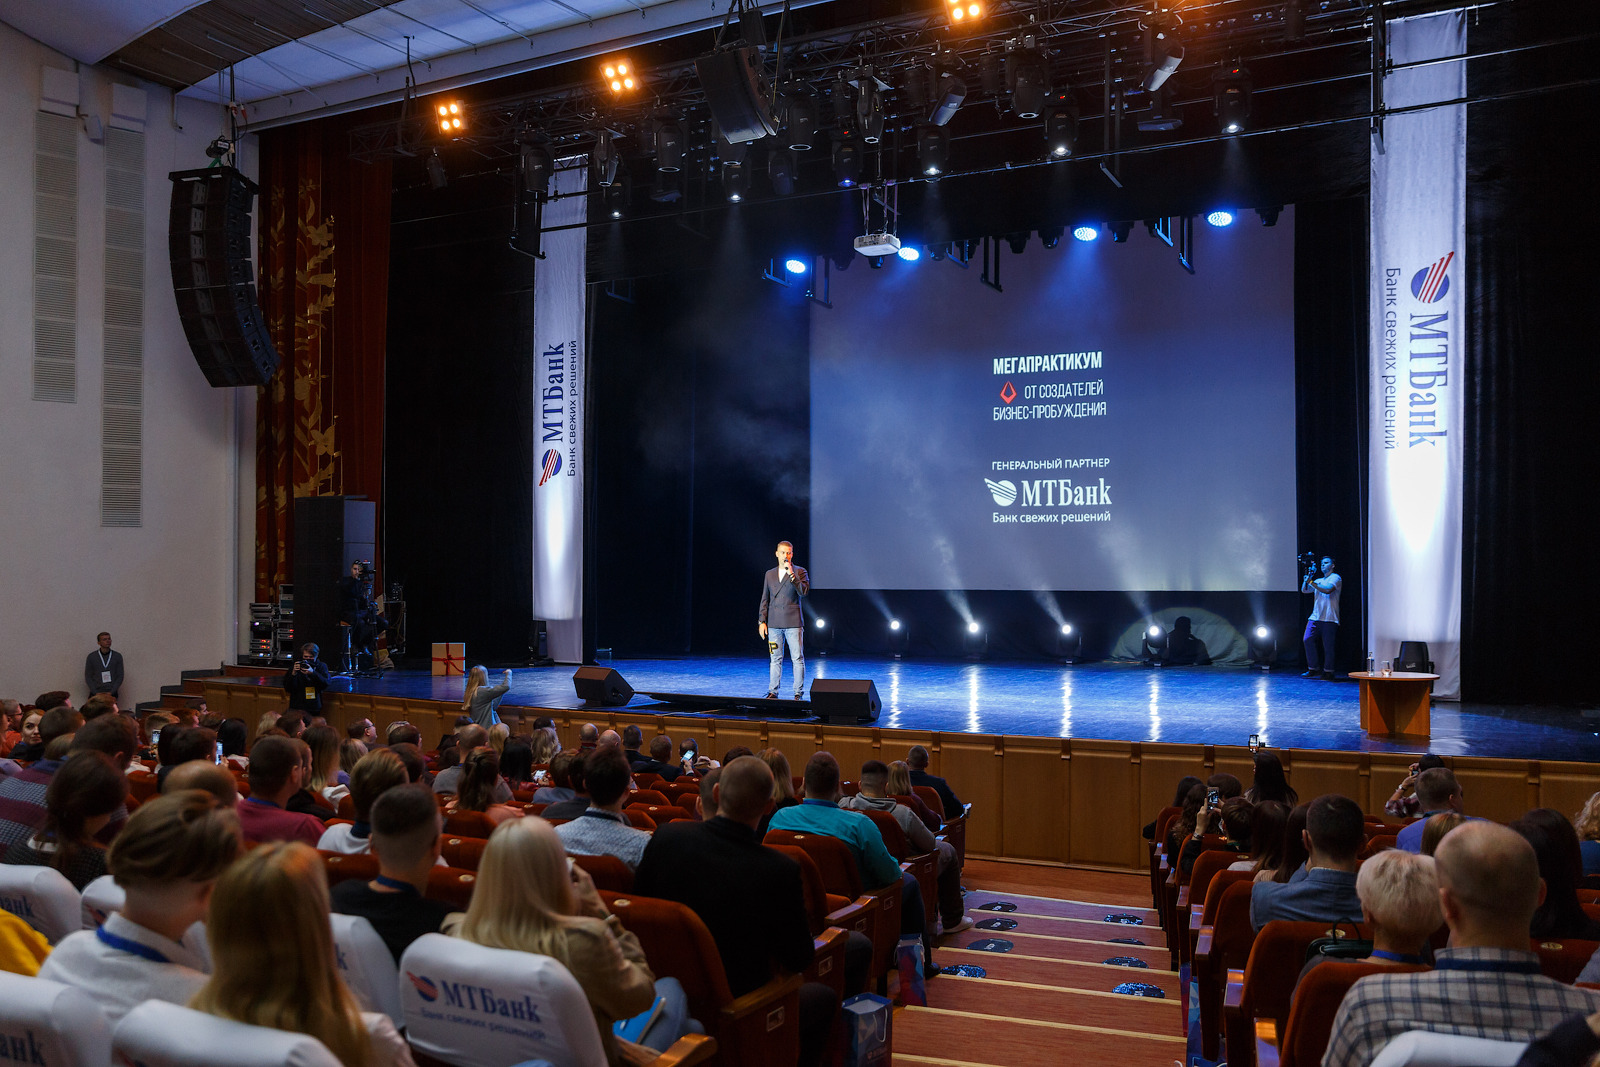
[449, 658]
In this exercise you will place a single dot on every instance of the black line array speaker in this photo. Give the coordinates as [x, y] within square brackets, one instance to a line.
[330, 533]
[601, 685]
[732, 83]
[845, 701]
[208, 242]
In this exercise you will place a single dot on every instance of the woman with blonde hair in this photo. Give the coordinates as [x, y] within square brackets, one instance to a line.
[273, 961]
[899, 787]
[529, 898]
[480, 778]
[267, 723]
[545, 745]
[782, 786]
[326, 777]
[482, 702]
[350, 753]
[1587, 823]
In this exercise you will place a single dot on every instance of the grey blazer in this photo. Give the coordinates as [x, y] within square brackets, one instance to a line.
[780, 600]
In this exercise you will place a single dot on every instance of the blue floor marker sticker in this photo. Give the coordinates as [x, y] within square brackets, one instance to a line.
[997, 924]
[1125, 918]
[1125, 941]
[1125, 961]
[1140, 989]
[992, 944]
[997, 905]
[964, 970]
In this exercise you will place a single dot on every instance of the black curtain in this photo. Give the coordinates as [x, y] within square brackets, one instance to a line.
[1533, 385]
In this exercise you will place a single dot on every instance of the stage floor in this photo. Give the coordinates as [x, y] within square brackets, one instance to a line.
[1103, 701]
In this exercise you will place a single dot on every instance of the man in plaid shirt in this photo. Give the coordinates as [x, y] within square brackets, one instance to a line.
[1487, 983]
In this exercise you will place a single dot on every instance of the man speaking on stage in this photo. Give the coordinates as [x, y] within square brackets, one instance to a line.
[782, 621]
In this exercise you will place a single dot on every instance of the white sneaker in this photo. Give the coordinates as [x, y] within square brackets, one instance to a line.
[964, 924]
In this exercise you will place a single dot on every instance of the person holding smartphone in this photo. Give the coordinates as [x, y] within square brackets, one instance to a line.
[306, 680]
[1403, 801]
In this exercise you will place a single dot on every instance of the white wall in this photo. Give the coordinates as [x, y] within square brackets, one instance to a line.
[173, 591]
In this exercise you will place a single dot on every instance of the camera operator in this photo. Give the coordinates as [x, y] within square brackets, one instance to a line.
[306, 680]
[1323, 625]
[358, 611]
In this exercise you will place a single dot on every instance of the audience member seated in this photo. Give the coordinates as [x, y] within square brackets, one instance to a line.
[543, 746]
[11, 714]
[1555, 844]
[1269, 782]
[1333, 837]
[168, 861]
[1186, 783]
[873, 796]
[326, 779]
[1487, 983]
[350, 753]
[918, 759]
[416, 766]
[632, 742]
[900, 788]
[530, 899]
[181, 744]
[820, 813]
[588, 737]
[405, 838]
[304, 800]
[480, 786]
[471, 736]
[234, 735]
[782, 786]
[750, 897]
[1400, 904]
[79, 802]
[602, 829]
[1182, 826]
[31, 743]
[375, 774]
[1232, 818]
[22, 793]
[1575, 1041]
[273, 960]
[1268, 820]
[1437, 791]
[516, 763]
[293, 723]
[98, 705]
[267, 723]
[55, 698]
[362, 730]
[560, 789]
[1403, 802]
[660, 760]
[402, 733]
[1587, 825]
[207, 776]
[578, 803]
[1436, 826]
[275, 775]
[688, 754]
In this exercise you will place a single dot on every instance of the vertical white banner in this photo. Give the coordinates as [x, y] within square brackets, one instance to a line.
[560, 310]
[1417, 351]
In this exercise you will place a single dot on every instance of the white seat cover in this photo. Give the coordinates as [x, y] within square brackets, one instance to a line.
[487, 1007]
[158, 1034]
[1420, 1048]
[43, 898]
[367, 966]
[46, 1022]
[101, 897]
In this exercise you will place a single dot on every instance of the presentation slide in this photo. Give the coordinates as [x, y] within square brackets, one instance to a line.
[1107, 422]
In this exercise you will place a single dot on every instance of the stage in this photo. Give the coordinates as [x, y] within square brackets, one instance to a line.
[1101, 701]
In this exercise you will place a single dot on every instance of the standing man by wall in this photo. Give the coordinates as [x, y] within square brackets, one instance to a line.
[1322, 628]
[102, 668]
[781, 620]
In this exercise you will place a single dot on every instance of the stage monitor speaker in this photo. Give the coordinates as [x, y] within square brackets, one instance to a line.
[732, 84]
[601, 685]
[845, 701]
[208, 243]
[330, 533]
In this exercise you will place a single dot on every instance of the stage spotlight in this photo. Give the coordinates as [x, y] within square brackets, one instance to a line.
[1155, 645]
[973, 627]
[1220, 218]
[452, 119]
[1018, 242]
[1086, 233]
[735, 182]
[897, 638]
[1069, 643]
[619, 76]
[1120, 231]
[846, 163]
[869, 110]
[975, 642]
[821, 638]
[1050, 236]
[1028, 78]
[538, 166]
[1061, 126]
[1162, 117]
[1230, 89]
[963, 11]
[605, 158]
[909, 253]
[821, 624]
[616, 200]
[801, 122]
[668, 145]
[948, 93]
[1269, 215]
[933, 149]
[780, 171]
[1162, 51]
[436, 175]
[795, 266]
[894, 624]
[1263, 648]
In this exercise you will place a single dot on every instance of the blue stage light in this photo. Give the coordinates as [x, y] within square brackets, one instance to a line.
[1220, 218]
[1086, 233]
[795, 266]
[910, 254]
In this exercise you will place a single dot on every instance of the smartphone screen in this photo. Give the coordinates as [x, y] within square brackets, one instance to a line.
[1213, 798]
[219, 751]
[1255, 740]
[155, 736]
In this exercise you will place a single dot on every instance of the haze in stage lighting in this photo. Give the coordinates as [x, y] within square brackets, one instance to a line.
[894, 624]
[1086, 233]
[909, 253]
[1220, 218]
[795, 266]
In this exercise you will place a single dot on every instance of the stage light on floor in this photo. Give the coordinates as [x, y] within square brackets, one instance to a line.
[1066, 629]
[909, 253]
[795, 266]
[821, 624]
[973, 627]
[1086, 233]
[894, 624]
[1220, 218]
[897, 638]
[1263, 648]
[1069, 643]
[975, 643]
[1154, 645]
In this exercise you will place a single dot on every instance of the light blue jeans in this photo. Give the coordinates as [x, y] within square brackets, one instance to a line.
[777, 637]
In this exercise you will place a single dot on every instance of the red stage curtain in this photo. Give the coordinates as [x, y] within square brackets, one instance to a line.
[324, 233]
